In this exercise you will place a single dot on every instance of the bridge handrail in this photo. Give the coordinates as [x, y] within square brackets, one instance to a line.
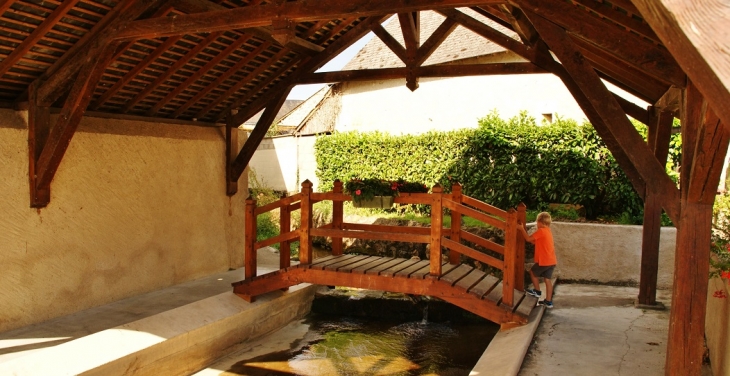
[436, 235]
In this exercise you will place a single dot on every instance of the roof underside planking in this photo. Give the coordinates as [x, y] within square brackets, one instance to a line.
[203, 65]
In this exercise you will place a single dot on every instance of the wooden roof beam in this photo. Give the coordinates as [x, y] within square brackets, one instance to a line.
[427, 71]
[605, 9]
[410, 24]
[162, 48]
[695, 33]
[36, 35]
[171, 70]
[73, 109]
[264, 15]
[257, 135]
[635, 50]
[311, 65]
[390, 42]
[609, 113]
[225, 76]
[58, 81]
[434, 41]
[198, 74]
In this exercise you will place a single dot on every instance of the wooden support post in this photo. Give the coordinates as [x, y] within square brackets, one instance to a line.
[454, 256]
[510, 253]
[231, 152]
[305, 240]
[284, 227]
[250, 238]
[520, 248]
[437, 217]
[705, 141]
[337, 218]
[660, 129]
[39, 125]
[49, 158]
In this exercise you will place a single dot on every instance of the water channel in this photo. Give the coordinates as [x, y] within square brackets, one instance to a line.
[342, 345]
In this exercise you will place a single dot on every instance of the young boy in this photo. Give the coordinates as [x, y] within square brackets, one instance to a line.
[545, 260]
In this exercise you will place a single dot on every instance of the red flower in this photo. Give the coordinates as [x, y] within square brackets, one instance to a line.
[725, 275]
[719, 294]
[357, 192]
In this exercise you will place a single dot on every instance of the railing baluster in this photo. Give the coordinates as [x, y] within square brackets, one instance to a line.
[437, 218]
[250, 239]
[520, 249]
[337, 214]
[285, 227]
[510, 252]
[305, 240]
[454, 256]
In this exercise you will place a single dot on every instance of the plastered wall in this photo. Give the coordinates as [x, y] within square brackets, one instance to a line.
[283, 163]
[134, 207]
[609, 253]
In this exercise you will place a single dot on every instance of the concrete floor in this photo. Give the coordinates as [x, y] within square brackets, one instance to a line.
[595, 330]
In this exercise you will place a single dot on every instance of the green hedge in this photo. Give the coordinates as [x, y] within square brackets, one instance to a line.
[503, 162]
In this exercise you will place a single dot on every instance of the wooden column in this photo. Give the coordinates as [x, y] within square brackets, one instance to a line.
[305, 240]
[510, 254]
[437, 218]
[705, 141]
[231, 152]
[337, 218]
[39, 125]
[520, 248]
[660, 129]
[454, 256]
[284, 228]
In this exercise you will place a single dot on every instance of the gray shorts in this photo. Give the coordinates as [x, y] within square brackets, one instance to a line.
[543, 271]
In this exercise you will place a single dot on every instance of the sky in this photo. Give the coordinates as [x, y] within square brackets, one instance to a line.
[336, 64]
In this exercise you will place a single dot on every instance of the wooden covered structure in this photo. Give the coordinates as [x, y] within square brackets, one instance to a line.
[501, 300]
[218, 62]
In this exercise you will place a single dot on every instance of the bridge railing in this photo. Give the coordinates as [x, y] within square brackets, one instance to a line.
[513, 250]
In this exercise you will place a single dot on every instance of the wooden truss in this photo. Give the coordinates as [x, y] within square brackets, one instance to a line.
[214, 62]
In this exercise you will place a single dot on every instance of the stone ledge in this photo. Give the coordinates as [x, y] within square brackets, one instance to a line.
[179, 341]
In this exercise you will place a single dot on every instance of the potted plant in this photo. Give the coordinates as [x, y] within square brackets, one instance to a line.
[371, 193]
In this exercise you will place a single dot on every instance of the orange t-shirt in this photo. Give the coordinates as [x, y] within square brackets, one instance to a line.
[544, 247]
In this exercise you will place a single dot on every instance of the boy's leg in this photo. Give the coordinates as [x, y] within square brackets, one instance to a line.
[535, 281]
[548, 289]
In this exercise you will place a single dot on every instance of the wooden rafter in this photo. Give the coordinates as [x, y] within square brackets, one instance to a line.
[311, 65]
[635, 50]
[695, 34]
[427, 71]
[36, 35]
[197, 75]
[172, 69]
[73, 109]
[609, 110]
[238, 85]
[162, 48]
[263, 15]
[58, 82]
[224, 77]
[604, 9]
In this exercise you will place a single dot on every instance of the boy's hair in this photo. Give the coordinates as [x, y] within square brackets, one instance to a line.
[544, 218]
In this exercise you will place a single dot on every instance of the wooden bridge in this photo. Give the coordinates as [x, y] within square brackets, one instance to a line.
[502, 300]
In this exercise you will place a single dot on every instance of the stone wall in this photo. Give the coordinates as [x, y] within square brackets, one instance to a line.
[609, 253]
[134, 207]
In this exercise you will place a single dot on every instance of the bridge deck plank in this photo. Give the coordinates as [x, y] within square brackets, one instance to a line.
[344, 263]
[455, 275]
[495, 295]
[413, 268]
[334, 260]
[362, 269]
[376, 270]
[470, 280]
[423, 272]
[349, 268]
[398, 267]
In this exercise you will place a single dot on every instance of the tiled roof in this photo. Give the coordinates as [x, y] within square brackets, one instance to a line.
[460, 44]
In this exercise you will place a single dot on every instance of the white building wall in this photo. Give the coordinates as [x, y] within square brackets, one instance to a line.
[283, 163]
[447, 104]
